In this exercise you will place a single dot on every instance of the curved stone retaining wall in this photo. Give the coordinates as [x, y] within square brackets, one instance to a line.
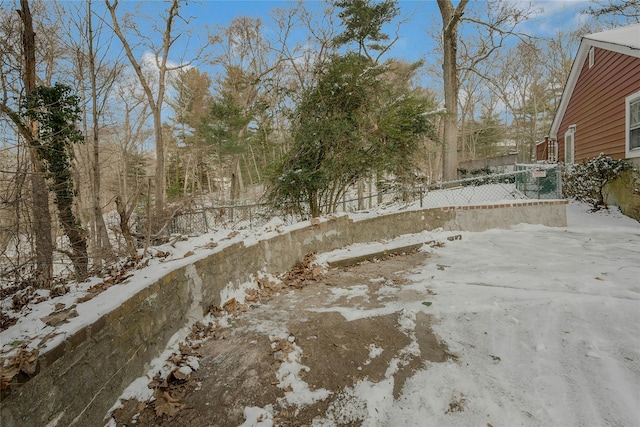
[79, 380]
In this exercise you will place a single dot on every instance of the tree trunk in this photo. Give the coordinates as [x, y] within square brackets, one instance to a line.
[155, 98]
[125, 214]
[103, 245]
[159, 178]
[450, 19]
[73, 231]
[40, 194]
[236, 179]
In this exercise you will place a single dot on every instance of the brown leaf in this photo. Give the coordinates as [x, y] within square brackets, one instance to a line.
[316, 272]
[166, 405]
[181, 375]
[6, 321]
[217, 311]
[60, 316]
[231, 235]
[185, 349]
[229, 304]
[85, 298]
[59, 291]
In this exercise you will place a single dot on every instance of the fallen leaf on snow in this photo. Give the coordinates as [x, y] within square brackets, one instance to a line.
[58, 317]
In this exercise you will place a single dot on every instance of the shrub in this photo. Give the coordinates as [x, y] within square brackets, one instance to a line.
[586, 181]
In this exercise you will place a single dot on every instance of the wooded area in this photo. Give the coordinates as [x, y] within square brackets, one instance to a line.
[107, 114]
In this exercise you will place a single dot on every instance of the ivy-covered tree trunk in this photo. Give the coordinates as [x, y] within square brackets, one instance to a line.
[71, 226]
[57, 112]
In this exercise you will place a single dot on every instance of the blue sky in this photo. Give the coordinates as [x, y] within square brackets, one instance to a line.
[414, 43]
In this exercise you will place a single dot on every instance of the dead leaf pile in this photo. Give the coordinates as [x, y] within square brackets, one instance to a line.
[59, 290]
[233, 307]
[22, 298]
[303, 273]
[200, 331]
[117, 276]
[267, 286]
[169, 392]
[266, 289]
[25, 361]
[281, 348]
[162, 254]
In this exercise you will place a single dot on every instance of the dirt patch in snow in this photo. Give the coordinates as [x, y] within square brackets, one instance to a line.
[299, 353]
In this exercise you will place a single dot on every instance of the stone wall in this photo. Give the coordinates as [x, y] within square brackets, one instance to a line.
[79, 380]
[624, 193]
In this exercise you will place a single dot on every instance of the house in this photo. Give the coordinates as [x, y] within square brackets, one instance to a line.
[599, 111]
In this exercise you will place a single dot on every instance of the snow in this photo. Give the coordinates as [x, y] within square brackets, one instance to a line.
[628, 35]
[298, 392]
[545, 323]
[470, 195]
[257, 417]
[31, 331]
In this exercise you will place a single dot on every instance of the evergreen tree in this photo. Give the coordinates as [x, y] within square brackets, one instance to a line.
[347, 127]
[363, 21]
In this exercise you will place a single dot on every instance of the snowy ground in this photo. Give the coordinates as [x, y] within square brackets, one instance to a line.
[546, 323]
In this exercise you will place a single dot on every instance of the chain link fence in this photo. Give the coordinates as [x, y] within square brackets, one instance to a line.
[526, 182]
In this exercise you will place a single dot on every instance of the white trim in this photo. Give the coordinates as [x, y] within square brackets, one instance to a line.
[625, 50]
[570, 156]
[621, 36]
[592, 57]
[629, 153]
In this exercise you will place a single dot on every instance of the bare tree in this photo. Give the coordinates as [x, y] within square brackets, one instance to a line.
[96, 75]
[28, 130]
[492, 25]
[154, 96]
[628, 10]
[451, 17]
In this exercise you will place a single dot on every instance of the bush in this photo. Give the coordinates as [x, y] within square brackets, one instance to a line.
[585, 182]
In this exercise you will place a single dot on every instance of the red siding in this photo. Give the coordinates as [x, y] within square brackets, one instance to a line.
[597, 106]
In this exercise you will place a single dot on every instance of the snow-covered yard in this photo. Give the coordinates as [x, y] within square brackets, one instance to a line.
[546, 323]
